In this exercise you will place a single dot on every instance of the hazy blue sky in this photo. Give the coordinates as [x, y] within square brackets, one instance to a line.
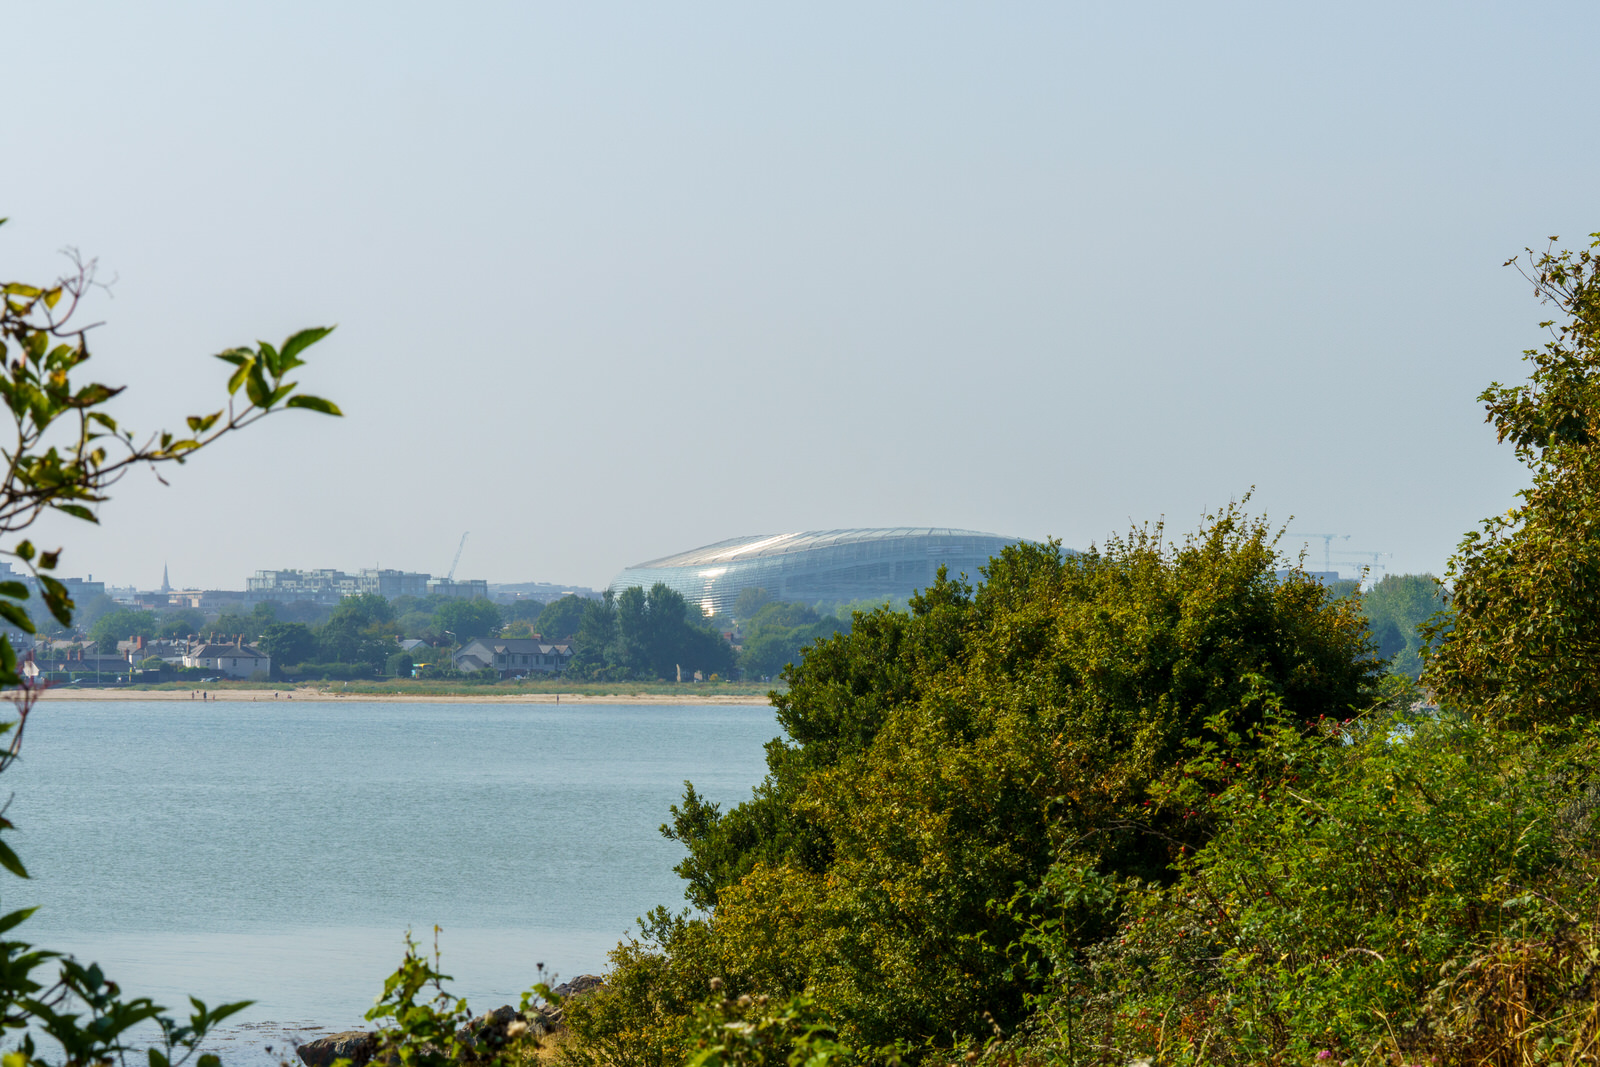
[614, 281]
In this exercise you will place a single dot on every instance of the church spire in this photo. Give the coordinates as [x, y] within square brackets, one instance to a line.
[166, 586]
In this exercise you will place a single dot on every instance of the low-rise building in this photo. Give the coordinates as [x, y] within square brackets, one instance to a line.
[328, 586]
[53, 659]
[510, 657]
[236, 660]
[460, 588]
[138, 649]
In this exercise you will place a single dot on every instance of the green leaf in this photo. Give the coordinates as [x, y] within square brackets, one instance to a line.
[157, 1059]
[57, 600]
[240, 376]
[269, 356]
[8, 860]
[25, 551]
[95, 394]
[16, 617]
[202, 423]
[301, 341]
[314, 403]
[15, 919]
[256, 387]
[48, 560]
[14, 590]
[236, 356]
[77, 511]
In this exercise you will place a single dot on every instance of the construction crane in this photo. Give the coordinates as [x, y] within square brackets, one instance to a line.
[453, 563]
[1376, 557]
[1327, 546]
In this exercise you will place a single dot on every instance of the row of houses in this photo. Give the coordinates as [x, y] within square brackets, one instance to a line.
[234, 659]
[507, 657]
[512, 657]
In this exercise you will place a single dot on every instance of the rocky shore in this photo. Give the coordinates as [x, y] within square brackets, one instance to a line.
[491, 1030]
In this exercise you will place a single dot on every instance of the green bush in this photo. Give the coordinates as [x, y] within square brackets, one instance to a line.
[1153, 803]
[937, 759]
[330, 672]
[1425, 890]
[748, 1031]
[421, 1024]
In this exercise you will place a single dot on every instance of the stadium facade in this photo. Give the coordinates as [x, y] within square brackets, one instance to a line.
[819, 565]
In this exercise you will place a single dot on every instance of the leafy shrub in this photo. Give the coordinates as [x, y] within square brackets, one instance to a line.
[1419, 889]
[937, 759]
[748, 1031]
[421, 1024]
[644, 1015]
[1523, 640]
[330, 672]
[440, 671]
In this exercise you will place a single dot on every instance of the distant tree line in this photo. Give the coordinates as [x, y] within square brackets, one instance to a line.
[1396, 609]
[634, 635]
[654, 634]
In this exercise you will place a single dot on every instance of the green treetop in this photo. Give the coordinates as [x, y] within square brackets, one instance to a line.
[935, 760]
[1521, 642]
[463, 620]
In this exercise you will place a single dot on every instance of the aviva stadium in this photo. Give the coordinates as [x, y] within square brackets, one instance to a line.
[831, 565]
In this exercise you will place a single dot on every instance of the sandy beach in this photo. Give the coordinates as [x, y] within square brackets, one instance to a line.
[332, 692]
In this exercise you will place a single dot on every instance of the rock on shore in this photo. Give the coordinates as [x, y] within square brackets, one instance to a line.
[356, 1045]
[492, 1029]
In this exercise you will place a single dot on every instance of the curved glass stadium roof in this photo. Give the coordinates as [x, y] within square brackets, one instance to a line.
[832, 565]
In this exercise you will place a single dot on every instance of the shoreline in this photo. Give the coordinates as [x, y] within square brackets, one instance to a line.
[319, 694]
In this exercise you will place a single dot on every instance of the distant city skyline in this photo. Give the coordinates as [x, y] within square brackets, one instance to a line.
[1314, 562]
[615, 280]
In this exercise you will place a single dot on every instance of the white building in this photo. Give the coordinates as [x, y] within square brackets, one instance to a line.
[237, 660]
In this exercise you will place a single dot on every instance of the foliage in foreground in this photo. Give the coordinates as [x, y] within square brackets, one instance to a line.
[937, 758]
[421, 1024]
[64, 453]
[1422, 890]
[1525, 645]
[1125, 807]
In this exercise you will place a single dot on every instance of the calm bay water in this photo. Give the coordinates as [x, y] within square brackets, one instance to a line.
[279, 851]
